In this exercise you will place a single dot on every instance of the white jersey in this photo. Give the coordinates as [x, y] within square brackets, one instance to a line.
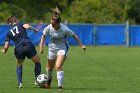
[58, 39]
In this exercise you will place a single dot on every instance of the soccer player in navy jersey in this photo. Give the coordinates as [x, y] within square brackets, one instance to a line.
[23, 46]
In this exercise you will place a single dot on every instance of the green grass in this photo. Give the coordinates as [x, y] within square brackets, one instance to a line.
[98, 70]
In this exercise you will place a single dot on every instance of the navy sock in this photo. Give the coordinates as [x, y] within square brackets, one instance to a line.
[37, 69]
[19, 74]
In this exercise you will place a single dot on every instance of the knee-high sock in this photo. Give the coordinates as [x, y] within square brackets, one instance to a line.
[60, 77]
[19, 74]
[37, 70]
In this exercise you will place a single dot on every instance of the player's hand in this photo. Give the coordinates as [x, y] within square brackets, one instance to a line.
[3, 51]
[83, 47]
[41, 51]
[36, 30]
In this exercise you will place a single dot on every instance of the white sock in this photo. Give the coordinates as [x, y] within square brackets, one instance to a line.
[49, 73]
[60, 77]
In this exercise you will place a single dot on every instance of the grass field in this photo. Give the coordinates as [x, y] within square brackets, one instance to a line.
[98, 70]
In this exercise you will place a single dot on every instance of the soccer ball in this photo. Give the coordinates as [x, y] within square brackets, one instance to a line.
[41, 80]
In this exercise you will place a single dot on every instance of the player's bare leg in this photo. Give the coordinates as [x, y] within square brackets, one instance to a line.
[19, 72]
[60, 73]
[37, 68]
[49, 70]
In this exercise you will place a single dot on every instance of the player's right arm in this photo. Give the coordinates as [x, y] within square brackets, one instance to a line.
[41, 43]
[5, 47]
[45, 32]
[27, 26]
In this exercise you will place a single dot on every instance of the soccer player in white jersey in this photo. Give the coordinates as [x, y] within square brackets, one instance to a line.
[57, 48]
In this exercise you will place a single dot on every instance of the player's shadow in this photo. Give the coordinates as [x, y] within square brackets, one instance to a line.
[85, 89]
[73, 88]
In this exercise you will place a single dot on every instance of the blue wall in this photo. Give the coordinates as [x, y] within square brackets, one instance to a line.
[89, 34]
[83, 31]
[134, 35]
[110, 34]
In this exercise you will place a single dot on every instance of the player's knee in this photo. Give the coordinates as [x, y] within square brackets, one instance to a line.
[19, 65]
[36, 59]
[58, 68]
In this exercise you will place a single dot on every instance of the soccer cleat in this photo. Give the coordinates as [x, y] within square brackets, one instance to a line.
[48, 84]
[36, 83]
[60, 88]
[20, 85]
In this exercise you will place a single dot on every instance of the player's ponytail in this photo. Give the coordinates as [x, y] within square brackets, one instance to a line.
[56, 15]
[56, 11]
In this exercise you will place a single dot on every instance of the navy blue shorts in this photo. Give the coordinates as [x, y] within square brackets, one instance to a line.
[24, 51]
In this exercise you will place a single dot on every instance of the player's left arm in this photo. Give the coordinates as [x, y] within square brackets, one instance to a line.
[78, 40]
[27, 26]
[5, 47]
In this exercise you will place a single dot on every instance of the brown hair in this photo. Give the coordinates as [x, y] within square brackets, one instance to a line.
[11, 20]
[56, 15]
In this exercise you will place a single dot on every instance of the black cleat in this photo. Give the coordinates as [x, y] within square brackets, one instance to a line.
[60, 88]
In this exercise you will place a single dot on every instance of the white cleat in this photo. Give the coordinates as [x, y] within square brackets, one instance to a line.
[36, 83]
[20, 85]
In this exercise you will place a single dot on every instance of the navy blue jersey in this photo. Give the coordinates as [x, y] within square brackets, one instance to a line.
[18, 34]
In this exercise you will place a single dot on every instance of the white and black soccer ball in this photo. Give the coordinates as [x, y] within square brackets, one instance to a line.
[41, 80]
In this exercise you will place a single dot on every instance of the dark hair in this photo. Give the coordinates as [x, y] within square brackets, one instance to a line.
[11, 20]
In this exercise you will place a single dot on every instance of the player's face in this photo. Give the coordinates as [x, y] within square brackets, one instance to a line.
[54, 24]
[53, 21]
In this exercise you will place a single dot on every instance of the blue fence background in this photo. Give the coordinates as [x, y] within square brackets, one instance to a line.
[110, 35]
[89, 34]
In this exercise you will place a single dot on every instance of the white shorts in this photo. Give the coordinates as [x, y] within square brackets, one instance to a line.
[52, 53]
